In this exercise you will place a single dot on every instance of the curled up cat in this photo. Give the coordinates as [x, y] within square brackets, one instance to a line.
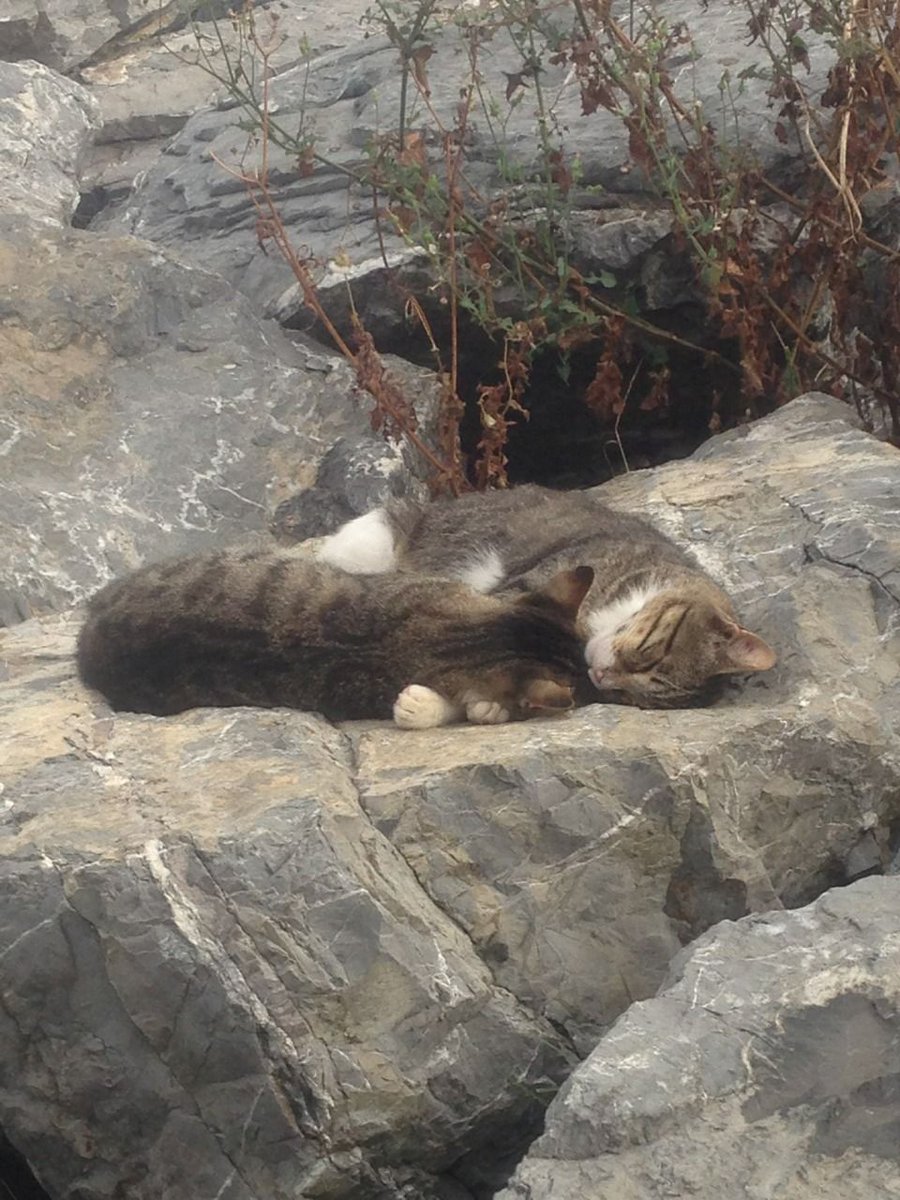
[657, 631]
[272, 629]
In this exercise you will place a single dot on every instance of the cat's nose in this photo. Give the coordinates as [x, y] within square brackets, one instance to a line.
[595, 674]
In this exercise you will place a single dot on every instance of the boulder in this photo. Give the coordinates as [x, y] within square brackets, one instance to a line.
[146, 411]
[46, 123]
[767, 1066]
[54, 33]
[218, 977]
[247, 953]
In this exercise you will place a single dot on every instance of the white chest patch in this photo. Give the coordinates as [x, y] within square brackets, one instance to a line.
[483, 572]
[364, 546]
[604, 623]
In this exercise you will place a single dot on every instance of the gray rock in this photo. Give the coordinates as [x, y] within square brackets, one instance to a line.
[243, 952]
[63, 36]
[351, 97]
[147, 88]
[768, 1066]
[218, 978]
[46, 123]
[145, 410]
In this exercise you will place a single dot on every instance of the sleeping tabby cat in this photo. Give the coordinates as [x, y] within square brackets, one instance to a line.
[657, 631]
[274, 629]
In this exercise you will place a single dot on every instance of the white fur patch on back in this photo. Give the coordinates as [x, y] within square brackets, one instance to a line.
[483, 572]
[364, 546]
[604, 623]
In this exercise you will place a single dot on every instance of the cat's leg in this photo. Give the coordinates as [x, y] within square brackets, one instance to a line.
[419, 707]
[364, 546]
[484, 712]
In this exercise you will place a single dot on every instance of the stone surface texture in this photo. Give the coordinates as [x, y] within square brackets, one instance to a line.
[46, 123]
[146, 408]
[218, 977]
[150, 412]
[767, 1067]
[147, 87]
[65, 36]
[249, 954]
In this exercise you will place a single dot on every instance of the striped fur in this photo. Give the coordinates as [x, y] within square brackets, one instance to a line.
[281, 630]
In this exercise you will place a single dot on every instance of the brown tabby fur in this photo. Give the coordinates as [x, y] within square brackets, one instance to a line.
[276, 629]
[671, 653]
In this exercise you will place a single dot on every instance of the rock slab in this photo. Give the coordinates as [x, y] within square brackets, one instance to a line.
[249, 954]
[768, 1067]
[46, 122]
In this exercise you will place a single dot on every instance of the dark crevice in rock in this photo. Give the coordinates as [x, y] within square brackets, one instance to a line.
[92, 203]
[699, 895]
[17, 1181]
[562, 443]
[867, 857]
[894, 845]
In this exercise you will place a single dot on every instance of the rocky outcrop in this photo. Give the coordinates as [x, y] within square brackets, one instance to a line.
[218, 976]
[151, 412]
[47, 122]
[768, 1065]
[150, 67]
[149, 81]
[247, 953]
[146, 409]
[350, 98]
[64, 38]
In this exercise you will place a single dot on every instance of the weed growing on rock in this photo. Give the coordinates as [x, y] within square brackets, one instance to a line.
[799, 286]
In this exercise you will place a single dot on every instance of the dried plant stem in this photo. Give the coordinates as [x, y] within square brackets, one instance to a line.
[377, 382]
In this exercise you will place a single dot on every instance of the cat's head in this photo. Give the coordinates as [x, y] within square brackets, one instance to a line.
[673, 650]
[543, 660]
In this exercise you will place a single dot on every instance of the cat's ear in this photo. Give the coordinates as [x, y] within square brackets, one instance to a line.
[744, 651]
[546, 694]
[569, 588]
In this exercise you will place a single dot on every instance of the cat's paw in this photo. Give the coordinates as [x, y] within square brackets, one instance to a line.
[419, 707]
[486, 712]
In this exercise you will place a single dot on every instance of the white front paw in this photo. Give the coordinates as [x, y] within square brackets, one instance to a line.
[419, 707]
[486, 712]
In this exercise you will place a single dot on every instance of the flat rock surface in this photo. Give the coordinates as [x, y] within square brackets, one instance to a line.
[246, 953]
[768, 1066]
